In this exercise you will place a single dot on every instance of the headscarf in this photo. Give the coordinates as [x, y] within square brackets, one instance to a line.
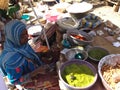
[14, 54]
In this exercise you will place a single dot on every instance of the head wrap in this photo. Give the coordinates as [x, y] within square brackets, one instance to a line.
[13, 30]
[15, 54]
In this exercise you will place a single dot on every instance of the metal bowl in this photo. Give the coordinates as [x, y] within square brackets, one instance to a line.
[65, 24]
[76, 54]
[75, 41]
[96, 53]
[78, 62]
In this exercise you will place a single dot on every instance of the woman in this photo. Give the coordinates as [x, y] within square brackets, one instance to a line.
[17, 59]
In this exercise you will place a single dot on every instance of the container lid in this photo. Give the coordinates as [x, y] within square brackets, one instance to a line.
[79, 7]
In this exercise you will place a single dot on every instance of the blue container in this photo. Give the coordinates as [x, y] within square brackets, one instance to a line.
[25, 17]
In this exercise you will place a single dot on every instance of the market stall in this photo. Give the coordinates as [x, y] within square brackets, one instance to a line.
[51, 38]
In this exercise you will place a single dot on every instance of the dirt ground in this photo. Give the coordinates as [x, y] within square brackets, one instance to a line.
[105, 10]
[107, 13]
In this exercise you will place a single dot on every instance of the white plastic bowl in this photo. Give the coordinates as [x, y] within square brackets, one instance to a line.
[106, 60]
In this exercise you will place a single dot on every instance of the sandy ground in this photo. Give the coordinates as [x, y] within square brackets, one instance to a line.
[105, 10]
[108, 13]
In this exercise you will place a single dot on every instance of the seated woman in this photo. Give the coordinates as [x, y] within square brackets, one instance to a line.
[18, 60]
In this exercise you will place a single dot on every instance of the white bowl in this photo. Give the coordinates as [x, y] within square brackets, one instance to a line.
[34, 30]
[82, 7]
[110, 60]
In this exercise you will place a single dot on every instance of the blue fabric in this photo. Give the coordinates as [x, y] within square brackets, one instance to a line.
[15, 75]
[15, 55]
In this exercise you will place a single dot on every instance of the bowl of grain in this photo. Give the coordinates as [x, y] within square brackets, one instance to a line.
[108, 70]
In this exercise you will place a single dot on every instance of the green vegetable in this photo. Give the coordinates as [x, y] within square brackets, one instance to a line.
[78, 75]
[97, 54]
